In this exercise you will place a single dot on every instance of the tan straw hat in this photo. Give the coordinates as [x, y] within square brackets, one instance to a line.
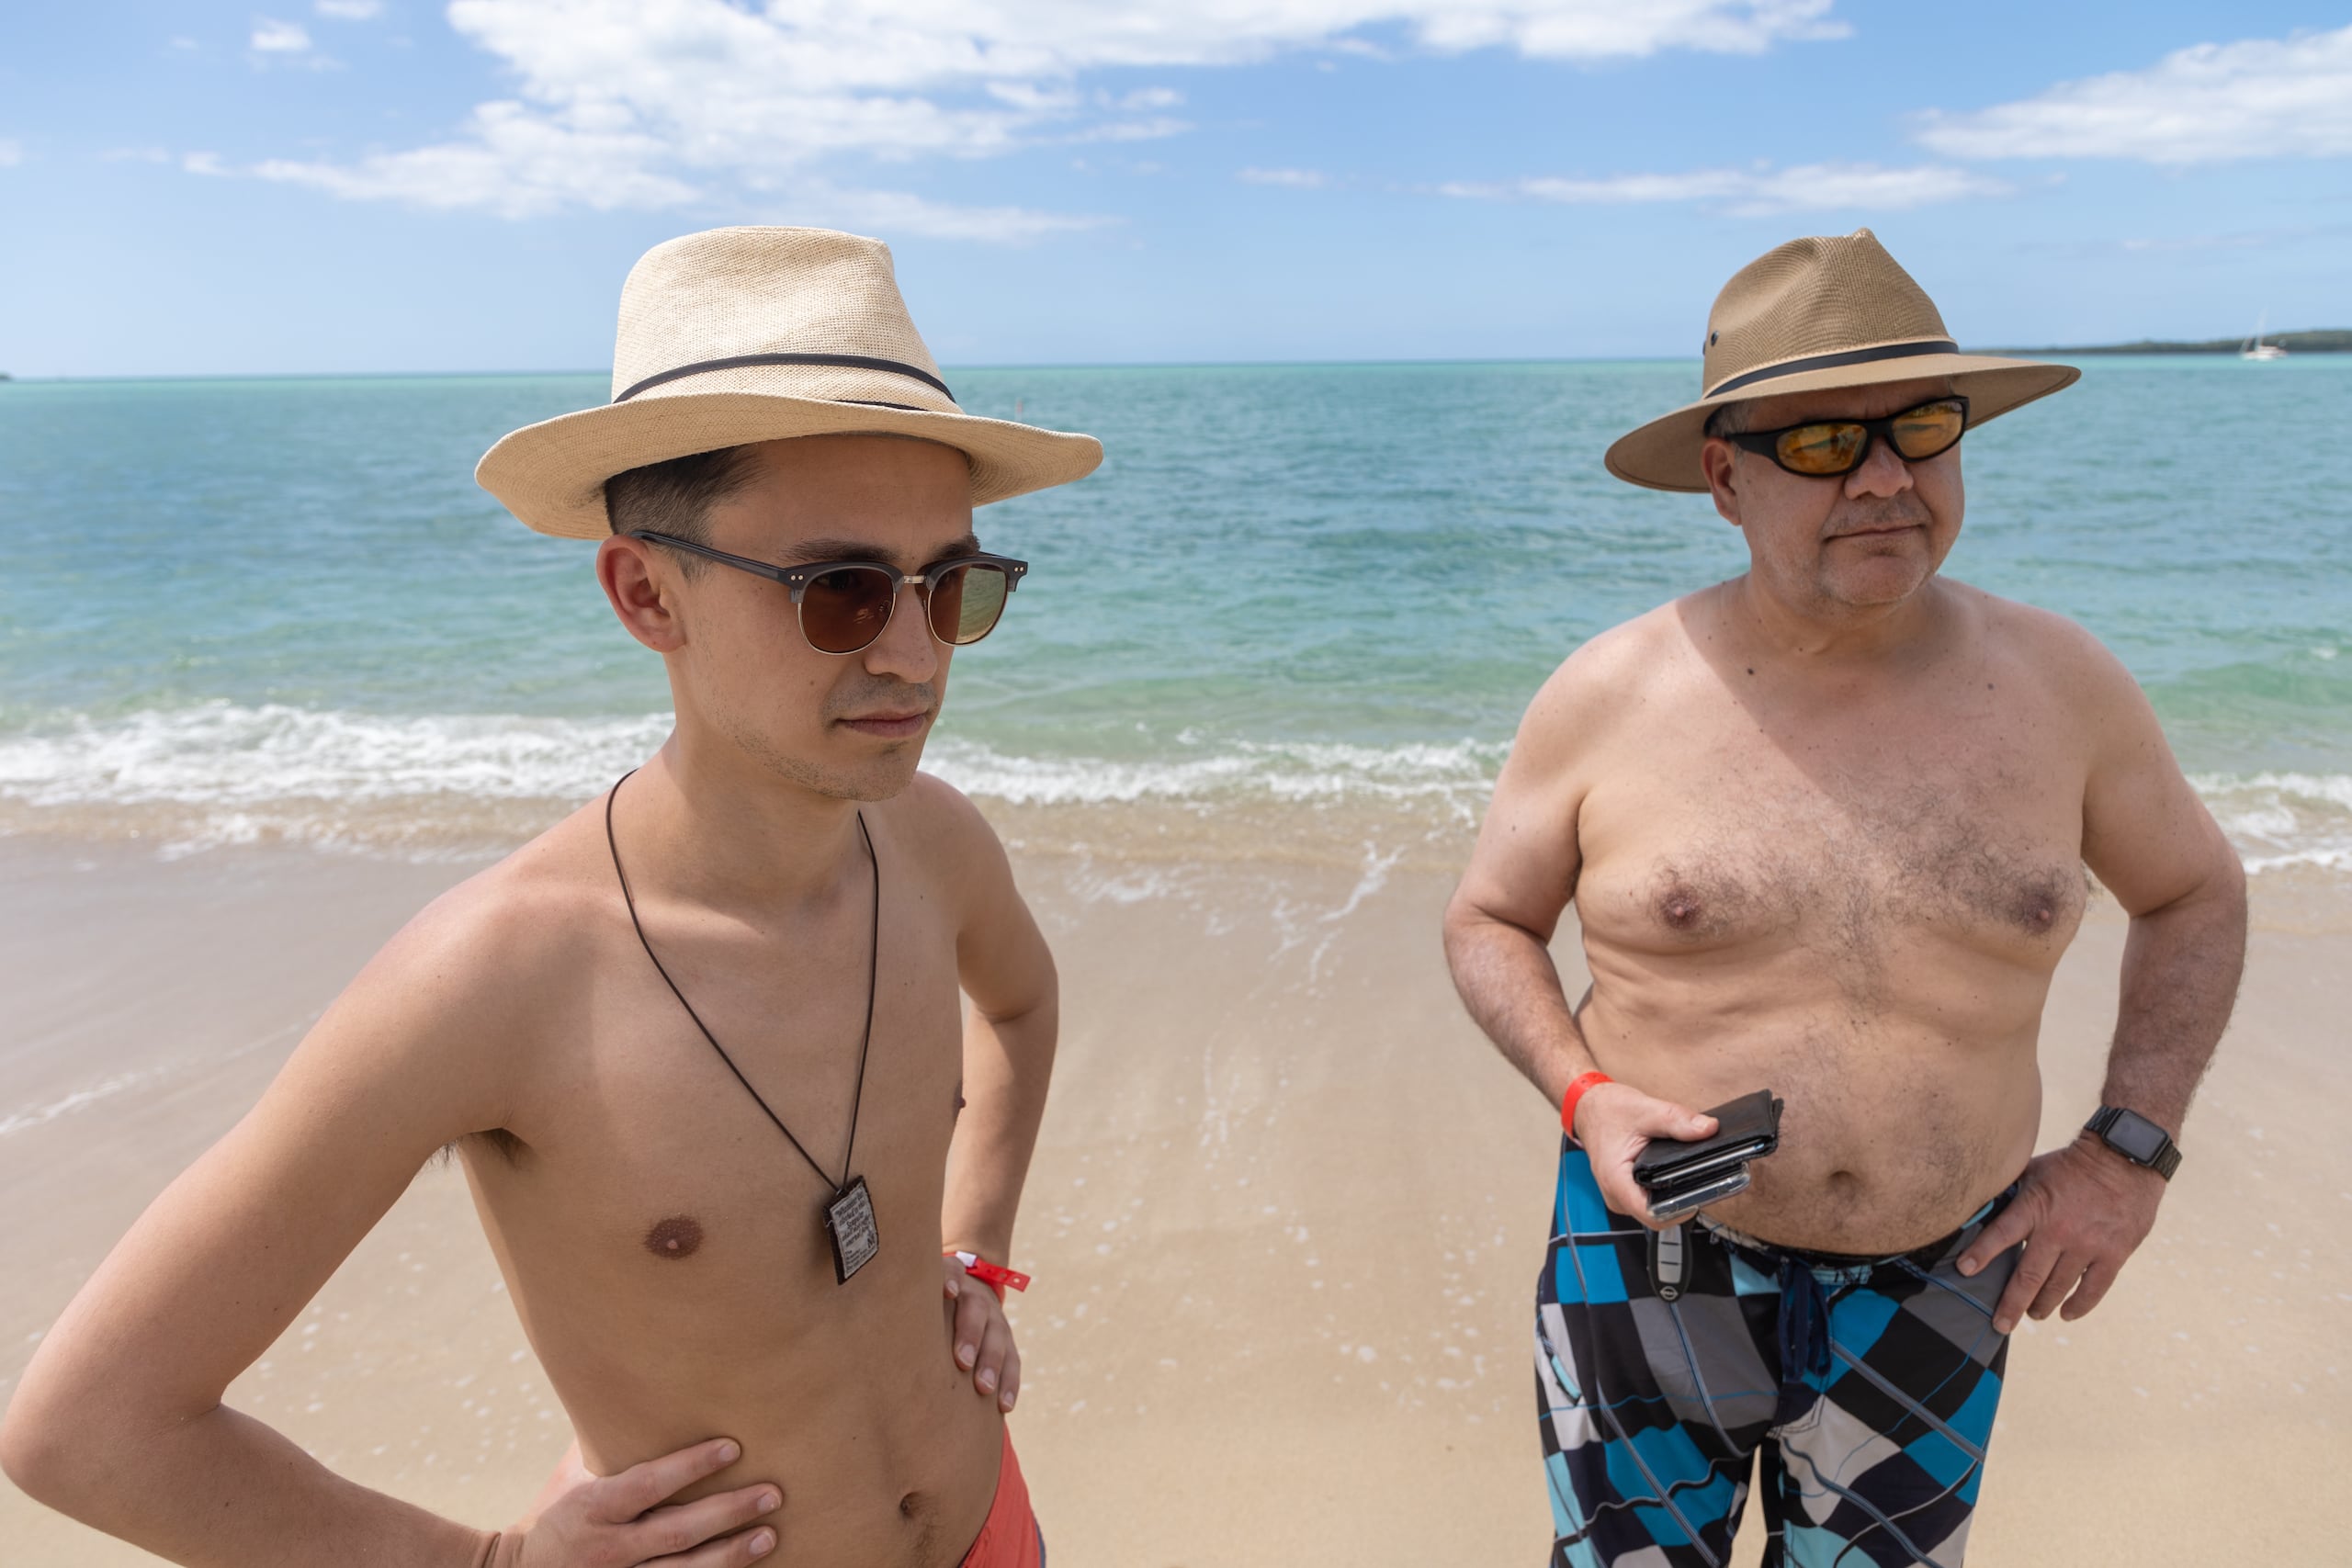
[737, 335]
[1811, 315]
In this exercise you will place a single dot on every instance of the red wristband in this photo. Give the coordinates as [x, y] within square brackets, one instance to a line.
[1578, 1088]
[995, 1276]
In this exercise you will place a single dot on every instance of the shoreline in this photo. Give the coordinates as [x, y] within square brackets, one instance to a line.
[1408, 808]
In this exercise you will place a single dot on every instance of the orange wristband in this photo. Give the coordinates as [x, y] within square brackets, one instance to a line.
[1578, 1088]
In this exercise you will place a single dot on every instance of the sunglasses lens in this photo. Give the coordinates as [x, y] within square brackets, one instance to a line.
[1929, 429]
[966, 601]
[1831, 448]
[846, 608]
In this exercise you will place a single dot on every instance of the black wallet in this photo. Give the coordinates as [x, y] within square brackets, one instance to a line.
[1680, 1177]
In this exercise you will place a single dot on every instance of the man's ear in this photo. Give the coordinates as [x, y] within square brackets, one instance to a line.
[1718, 460]
[641, 589]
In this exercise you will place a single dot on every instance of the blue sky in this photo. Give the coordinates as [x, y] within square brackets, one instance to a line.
[345, 186]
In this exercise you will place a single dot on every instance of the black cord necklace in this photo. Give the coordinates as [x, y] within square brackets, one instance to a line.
[849, 1212]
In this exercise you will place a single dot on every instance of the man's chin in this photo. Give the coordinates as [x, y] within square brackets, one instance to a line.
[1889, 580]
[884, 774]
[881, 773]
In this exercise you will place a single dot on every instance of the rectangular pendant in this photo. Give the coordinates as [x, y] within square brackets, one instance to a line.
[849, 1220]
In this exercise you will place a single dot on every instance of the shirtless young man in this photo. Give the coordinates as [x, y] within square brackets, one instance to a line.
[1825, 827]
[808, 892]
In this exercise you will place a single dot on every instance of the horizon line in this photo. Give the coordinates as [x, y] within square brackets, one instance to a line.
[1070, 365]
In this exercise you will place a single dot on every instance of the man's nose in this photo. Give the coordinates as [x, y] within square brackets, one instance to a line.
[1883, 473]
[906, 648]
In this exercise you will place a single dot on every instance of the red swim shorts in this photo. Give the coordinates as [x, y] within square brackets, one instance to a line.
[1010, 1538]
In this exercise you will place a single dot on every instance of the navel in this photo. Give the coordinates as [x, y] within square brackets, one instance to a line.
[678, 1237]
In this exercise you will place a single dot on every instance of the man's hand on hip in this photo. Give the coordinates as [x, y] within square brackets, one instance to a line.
[1615, 1122]
[983, 1336]
[2081, 1211]
[626, 1520]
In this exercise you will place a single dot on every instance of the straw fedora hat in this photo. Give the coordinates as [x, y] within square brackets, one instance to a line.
[1816, 315]
[738, 335]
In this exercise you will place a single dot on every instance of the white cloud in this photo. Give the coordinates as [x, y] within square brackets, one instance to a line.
[1756, 192]
[2258, 99]
[350, 10]
[11, 153]
[510, 162]
[657, 102]
[900, 213]
[279, 38]
[1295, 179]
[514, 166]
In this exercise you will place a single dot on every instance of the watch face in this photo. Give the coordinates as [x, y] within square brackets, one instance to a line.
[2137, 1136]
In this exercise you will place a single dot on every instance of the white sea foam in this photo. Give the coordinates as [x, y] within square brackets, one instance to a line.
[2284, 819]
[231, 774]
[1455, 778]
[79, 1100]
[221, 754]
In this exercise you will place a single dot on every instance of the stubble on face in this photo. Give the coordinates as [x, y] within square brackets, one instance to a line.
[1864, 542]
[877, 777]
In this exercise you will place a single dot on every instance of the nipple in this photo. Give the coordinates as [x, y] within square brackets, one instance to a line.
[677, 1236]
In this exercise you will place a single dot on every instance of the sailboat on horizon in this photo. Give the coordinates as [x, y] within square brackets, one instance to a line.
[2255, 348]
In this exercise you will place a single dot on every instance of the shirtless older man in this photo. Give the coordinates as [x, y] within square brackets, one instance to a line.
[1826, 827]
[698, 1045]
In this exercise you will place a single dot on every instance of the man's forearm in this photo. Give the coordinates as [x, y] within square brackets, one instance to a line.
[1008, 1067]
[226, 1491]
[1512, 988]
[2181, 966]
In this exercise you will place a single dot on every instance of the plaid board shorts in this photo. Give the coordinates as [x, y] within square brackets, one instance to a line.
[1865, 1388]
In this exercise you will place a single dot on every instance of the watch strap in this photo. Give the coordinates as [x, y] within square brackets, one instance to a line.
[2164, 1162]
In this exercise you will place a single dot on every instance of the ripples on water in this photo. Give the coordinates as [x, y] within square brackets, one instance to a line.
[253, 609]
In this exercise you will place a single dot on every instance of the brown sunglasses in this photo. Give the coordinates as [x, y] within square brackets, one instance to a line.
[1827, 448]
[844, 605]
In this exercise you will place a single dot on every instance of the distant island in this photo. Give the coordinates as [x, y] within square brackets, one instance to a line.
[2336, 340]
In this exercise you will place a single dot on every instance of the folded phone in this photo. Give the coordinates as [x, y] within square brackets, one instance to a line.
[1673, 1202]
[1746, 1128]
[1682, 1177]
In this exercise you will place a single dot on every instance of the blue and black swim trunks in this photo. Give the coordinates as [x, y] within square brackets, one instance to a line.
[1857, 1393]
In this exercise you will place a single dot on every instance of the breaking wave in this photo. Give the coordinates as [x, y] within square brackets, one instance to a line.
[221, 772]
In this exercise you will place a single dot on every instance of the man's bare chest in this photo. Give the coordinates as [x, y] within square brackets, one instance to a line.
[1851, 842]
[676, 1153]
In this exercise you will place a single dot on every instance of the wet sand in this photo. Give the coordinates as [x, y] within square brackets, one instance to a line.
[1285, 1222]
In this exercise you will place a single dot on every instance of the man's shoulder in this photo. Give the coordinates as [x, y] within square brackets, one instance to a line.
[935, 816]
[1621, 665]
[940, 831]
[2055, 652]
[509, 933]
[1598, 691]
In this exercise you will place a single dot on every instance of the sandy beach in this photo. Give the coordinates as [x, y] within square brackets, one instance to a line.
[1285, 1218]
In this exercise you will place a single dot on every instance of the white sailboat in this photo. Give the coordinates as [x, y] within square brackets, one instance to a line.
[2256, 348]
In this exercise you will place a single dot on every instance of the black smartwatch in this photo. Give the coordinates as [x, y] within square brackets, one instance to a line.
[2136, 1138]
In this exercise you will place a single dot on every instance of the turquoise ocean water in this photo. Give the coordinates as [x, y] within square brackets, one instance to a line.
[256, 609]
